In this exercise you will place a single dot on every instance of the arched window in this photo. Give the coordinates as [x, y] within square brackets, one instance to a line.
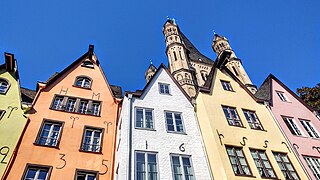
[4, 86]
[87, 63]
[84, 82]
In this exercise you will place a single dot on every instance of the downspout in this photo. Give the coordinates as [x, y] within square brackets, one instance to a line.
[202, 142]
[130, 136]
[287, 139]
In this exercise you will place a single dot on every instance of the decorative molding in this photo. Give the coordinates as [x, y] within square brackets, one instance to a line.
[107, 123]
[316, 148]
[73, 119]
[266, 143]
[11, 109]
[286, 146]
[220, 135]
[63, 90]
[244, 139]
[95, 95]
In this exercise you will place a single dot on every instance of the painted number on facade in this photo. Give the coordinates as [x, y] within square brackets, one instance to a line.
[64, 161]
[4, 151]
[181, 148]
[105, 165]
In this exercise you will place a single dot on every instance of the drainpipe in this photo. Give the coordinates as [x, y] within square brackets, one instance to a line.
[295, 152]
[130, 136]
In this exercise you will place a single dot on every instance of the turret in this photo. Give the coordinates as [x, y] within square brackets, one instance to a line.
[221, 44]
[177, 55]
[150, 72]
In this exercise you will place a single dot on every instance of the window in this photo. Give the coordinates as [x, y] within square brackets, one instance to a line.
[4, 86]
[263, 164]
[292, 126]
[83, 106]
[70, 105]
[37, 172]
[164, 88]
[182, 167]
[84, 82]
[92, 140]
[309, 128]
[282, 96]
[285, 166]
[252, 119]
[144, 118]
[2, 112]
[57, 103]
[226, 85]
[96, 108]
[146, 166]
[50, 133]
[86, 175]
[232, 116]
[174, 122]
[87, 63]
[314, 165]
[76, 105]
[238, 161]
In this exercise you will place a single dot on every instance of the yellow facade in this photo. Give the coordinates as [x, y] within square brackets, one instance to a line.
[212, 121]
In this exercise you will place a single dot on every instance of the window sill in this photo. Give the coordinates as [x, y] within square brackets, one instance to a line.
[263, 130]
[72, 112]
[146, 129]
[42, 145]
[175, 132]
[81, 87]
[237, 126]
[249, 176]
[165, 94]
[80, 150]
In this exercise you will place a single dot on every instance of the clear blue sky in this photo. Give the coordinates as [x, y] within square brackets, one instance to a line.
[279, 37]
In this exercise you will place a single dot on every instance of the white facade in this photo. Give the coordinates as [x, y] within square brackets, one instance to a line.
[159, 140]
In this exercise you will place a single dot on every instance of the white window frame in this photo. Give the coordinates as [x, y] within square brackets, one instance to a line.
[144, 120]
[282, 163]
[86, 173]
[311, 131]
[255, 122]
[146, 162]
[293, 125]
[72, 107]
[232, 118]
[59, 104]
[48, 138]
[6, 87]
[282, 96]
[96, 112]
[82, 80]
[226, 85]
[182, 169]
[164, 88]
[174, 122]
[83, 109]
[314, 165]
[38, 169]
[90, 144]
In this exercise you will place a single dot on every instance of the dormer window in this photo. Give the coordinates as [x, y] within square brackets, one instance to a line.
[87, 63]
[4, 86]
[282, 96]
[84, 82]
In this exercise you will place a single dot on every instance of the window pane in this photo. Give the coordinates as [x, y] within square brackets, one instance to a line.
[149, 122]
[139, 118]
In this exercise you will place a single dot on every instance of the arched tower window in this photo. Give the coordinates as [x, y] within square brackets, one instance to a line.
[83, 81]
[204, 75]
[175, 55]
[87, 63]
[4, 86]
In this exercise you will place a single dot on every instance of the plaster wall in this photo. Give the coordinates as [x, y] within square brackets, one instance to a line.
[213, 121]
[12, 122]
[72, 132]
[297, 111]
[159, 140]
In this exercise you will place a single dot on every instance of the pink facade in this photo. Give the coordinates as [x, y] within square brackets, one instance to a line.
[299, 124]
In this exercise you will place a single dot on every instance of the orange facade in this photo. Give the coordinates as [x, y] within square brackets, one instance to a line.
[72, 129]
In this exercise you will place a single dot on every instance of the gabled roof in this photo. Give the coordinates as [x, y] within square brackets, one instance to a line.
[27, 95]
[116, 90]
[265, 91]
[139, 93]
[220, 64]
[193, 53]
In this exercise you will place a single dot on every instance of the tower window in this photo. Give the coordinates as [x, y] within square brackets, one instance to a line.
[235, 71]
[180, 54]
[175, 55]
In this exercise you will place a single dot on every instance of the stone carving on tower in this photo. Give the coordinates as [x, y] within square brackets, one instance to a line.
[234, 64]
[187, 65]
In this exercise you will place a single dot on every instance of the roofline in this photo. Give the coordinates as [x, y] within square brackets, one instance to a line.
[162, 66]
[271, 76]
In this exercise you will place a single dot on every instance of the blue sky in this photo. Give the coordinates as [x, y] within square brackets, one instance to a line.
[279, 37]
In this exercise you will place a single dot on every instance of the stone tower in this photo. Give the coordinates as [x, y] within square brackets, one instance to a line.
[150, 72]
[234, 64]
[178, 60]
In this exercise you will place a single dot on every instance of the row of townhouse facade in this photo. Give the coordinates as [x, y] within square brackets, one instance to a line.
[195, 119]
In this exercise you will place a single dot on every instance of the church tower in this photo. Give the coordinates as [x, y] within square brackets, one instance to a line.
[234, 64]
[150, 72]
[177, 55]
